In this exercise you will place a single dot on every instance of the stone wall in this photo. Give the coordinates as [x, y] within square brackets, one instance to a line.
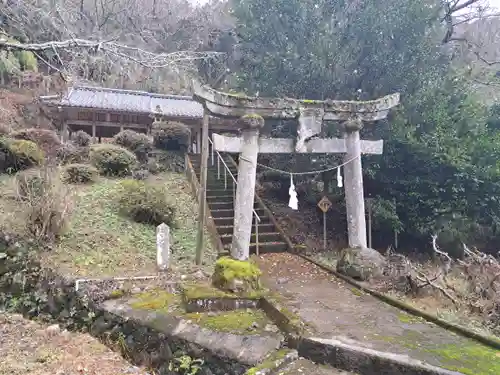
[37, 292]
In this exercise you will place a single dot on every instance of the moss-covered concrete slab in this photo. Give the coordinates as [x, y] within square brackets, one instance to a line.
[332, 308]
[248, 349]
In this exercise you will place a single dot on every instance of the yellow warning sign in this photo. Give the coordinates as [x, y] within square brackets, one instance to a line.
[324, 204]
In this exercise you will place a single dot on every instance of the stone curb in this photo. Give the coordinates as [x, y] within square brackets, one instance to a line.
[485, 340]
[364, 361]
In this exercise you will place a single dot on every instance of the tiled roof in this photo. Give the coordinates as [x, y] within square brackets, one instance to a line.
[131, 101]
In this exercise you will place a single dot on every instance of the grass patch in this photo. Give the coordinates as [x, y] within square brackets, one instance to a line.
[249, 321]
[102, 243]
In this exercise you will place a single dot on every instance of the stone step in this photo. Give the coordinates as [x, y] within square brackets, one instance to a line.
[265, 247]
[263, 228]
[219, 185]
[212, 176]
[224, 221]
[218, 192]
[225, 205]
[263, 238]
[220, 198]
[230, 213]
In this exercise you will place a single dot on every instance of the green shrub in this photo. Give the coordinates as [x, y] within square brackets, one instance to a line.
[154, 167]
[172, 161]
[112, 160]
[5, 155]
[80, 174]
[26, 153]
[145, 203]
[140, 174]
[46, 139]
[70, 154]
[138, 143]
[174, 136]
[82, 139]
[48, 202]
[19, 154]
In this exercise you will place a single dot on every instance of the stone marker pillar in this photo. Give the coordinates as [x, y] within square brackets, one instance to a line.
[353, 175]
[163, 246]
[245, 192]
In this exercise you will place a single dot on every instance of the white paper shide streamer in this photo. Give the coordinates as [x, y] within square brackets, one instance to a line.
[294, 202]
[339, 178]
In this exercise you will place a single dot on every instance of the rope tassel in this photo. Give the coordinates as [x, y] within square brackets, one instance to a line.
[339, 178]
[294, 202]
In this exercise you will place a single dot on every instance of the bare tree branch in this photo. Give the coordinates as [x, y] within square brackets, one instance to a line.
[137, 55]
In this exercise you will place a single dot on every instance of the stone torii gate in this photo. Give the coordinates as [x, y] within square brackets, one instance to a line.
[310, 114]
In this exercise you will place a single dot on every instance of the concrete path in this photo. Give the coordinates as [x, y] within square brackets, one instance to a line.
[335, 309]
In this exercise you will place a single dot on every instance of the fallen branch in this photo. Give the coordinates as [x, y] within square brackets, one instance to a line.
[137, 55]
[422, 277]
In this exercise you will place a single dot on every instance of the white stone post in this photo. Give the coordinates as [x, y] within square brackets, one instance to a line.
[163, 246]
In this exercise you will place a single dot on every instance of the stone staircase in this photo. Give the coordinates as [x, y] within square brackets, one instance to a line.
[220, 200]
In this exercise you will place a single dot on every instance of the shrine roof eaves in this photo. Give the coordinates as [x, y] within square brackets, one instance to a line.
[129, 101]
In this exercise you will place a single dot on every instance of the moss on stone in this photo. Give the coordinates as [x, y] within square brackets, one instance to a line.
[157, 300]
[251, 116]
[466, 356]
[251, 121]
[238, 95]
[356, 292]
[115, 294]
[310, 101]
[236, 275]
[203, 291]
[472, 359]
[295, 320]
[270, 363]
[249, 321]
[407, 318]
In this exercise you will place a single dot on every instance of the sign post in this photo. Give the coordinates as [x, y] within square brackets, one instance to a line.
[324, 205]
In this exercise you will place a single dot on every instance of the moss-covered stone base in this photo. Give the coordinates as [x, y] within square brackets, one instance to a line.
[236, 276]
[249, 321]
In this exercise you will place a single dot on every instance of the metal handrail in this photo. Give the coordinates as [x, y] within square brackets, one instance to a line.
[235, 184]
